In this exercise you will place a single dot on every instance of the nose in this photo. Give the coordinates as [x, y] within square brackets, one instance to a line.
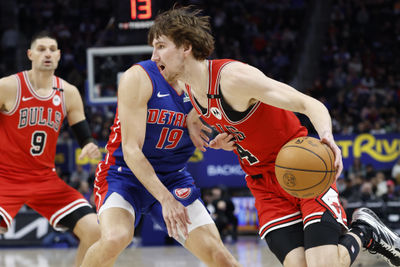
[47, 53]
[154, 56]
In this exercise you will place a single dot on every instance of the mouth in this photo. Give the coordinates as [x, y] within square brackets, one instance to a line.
[161, 67]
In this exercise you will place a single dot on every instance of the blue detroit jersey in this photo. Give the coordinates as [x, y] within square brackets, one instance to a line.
[167, 144]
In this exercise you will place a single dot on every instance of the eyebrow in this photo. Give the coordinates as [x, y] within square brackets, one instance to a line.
[42, 45]
[159, 42]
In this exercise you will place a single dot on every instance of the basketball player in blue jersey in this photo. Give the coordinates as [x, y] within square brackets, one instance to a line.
[153, 136]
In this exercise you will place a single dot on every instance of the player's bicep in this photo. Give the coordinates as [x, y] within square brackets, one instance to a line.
[74, 104]
[134, 92]
[250, 82]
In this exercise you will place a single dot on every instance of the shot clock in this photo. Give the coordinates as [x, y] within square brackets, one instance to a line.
[139, 14]
[133, 18]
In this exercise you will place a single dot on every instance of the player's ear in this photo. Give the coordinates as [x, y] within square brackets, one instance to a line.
[58, 54]
[187, 48]
[29, 54]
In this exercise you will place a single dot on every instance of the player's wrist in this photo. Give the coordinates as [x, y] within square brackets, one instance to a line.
[82, 133]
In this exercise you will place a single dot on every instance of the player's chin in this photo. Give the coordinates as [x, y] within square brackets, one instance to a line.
[47, 68]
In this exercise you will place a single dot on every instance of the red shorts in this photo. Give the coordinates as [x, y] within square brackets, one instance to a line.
[277, 209]
[43, 191]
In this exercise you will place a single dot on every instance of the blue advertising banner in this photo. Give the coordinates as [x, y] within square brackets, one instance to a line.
[215, 167]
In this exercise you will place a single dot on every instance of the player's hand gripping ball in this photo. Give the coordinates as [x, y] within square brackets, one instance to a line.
[305, 168]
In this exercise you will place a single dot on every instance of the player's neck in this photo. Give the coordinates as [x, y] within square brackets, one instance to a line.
[41, 80]
[196, 75]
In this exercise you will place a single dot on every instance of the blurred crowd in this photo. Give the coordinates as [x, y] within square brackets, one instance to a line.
[358, 78]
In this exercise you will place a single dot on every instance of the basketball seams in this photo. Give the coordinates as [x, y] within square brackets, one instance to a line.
[309, 150]
[302, 170]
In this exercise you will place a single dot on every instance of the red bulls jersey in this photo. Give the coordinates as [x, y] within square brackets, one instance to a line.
[260, 131]
[29, 132]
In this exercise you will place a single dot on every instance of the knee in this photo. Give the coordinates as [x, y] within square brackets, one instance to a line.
[222, 257]
[116, 240]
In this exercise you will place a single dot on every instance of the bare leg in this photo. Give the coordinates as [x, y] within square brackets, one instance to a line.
[327, 255]
[205, 243]
[88, 231]
[117, 229]
[295, 258]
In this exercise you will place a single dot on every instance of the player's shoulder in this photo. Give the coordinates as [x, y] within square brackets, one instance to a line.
[236, 67]
[71, 92]
[69, 88]
[135, 70]
[8, 83]
[234, 72]
[134, 75]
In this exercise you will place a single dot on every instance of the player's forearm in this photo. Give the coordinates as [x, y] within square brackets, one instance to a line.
[319, 117]
[145, 173]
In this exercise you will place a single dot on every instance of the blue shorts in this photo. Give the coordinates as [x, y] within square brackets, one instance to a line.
[179, 183]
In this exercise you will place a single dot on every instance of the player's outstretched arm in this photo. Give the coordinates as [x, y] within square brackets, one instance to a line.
[134, 92]
[78, 123]
[243, 85]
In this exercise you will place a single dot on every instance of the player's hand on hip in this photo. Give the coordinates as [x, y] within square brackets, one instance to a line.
[90, 150]
[223, 141]
[198, 131]
[176, 217]
[327, 138]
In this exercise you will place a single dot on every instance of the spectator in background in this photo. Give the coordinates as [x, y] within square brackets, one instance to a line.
[79, 175]
[9, 42]
[356, 168]
[392, 194]
[366, 191]
[380, 184]
[355, 189]
[370, 172]
[396, 171]
[85, 190]
[223, 215]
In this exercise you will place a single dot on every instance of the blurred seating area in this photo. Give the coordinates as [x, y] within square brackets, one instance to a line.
[358, 77]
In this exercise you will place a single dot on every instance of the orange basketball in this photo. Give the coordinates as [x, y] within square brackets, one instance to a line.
[305, 168]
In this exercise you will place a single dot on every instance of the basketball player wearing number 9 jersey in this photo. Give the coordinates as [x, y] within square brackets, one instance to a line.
[33, 105]
[239, 99]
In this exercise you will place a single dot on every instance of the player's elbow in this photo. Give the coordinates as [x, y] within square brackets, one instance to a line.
[311, 106]
[131, 153]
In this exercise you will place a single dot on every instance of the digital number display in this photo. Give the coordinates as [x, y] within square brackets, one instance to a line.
[141, 9]
[136, 14]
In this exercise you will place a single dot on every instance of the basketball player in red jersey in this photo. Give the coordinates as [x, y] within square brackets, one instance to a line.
[239, 99]
[33, 105]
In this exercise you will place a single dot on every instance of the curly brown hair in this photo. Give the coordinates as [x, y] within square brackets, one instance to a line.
[185, 27]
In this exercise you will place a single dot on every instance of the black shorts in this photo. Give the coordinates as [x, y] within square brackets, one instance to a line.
[284, 240]
[71, 219]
